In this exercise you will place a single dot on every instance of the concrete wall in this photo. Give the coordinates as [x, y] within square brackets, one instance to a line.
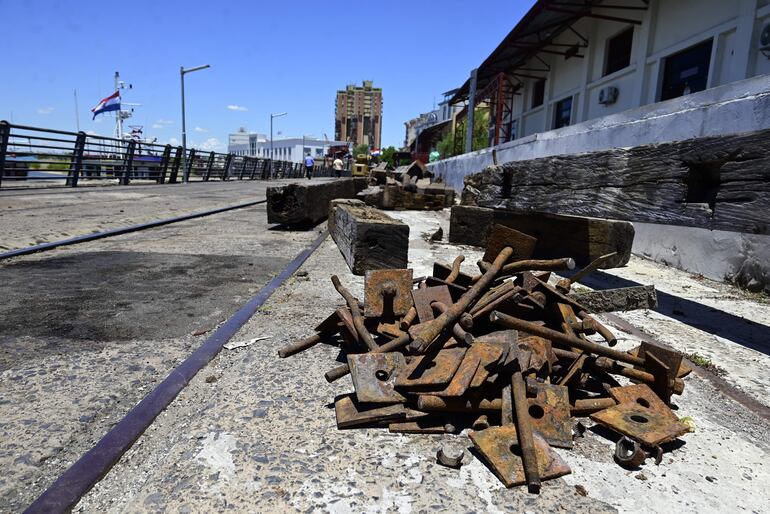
[741, 106]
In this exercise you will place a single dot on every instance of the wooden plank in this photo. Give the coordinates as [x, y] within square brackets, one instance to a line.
[584, 239]
[711, 182]
[308, 203]
[620, 299]
[368, 238]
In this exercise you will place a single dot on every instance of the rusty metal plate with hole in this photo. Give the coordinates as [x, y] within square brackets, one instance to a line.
[500, 448]
[424, 297]
[549, 410]
[351, 413]
[431, 370]
[643, 396]
[374, 376]
[501, 236]
[387, 292]
[640, 424]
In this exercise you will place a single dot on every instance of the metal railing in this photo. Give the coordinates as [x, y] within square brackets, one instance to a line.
[31, 155]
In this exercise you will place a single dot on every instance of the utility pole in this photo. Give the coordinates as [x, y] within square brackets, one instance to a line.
[271, 138]
[471, 109]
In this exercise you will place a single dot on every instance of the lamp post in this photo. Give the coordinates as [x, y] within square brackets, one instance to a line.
[273, 115]
[185, 171]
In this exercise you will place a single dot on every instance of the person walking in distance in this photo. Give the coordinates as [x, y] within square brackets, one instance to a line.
[309, 163]
[338, 165]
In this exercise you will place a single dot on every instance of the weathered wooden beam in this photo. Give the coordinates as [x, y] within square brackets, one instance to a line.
[620, 299]
[583, 239]
[308, 203]
[718, 182]
[368, 238]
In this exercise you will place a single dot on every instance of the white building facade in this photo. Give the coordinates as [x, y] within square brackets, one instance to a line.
[605, 60]
[292, 149]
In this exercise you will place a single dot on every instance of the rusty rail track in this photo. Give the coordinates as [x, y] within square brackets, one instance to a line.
[122, 230]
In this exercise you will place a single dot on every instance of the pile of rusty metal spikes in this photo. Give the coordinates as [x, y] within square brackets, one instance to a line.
[504, 354]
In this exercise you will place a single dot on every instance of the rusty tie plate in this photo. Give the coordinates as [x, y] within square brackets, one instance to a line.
[350, 413]
[424, 297]
[643, 396]
[431, 370]
[500, 448]
[640, 424]
[374, 376]
[550, 413]
[377, 301]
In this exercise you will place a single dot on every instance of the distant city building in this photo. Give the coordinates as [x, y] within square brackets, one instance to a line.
[239, 138]
[286, 149]
[358, 115]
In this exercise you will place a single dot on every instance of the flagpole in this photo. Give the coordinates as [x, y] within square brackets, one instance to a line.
[77, 115]
[119, 118]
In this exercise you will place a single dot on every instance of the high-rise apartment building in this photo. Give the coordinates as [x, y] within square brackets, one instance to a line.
[358, 115]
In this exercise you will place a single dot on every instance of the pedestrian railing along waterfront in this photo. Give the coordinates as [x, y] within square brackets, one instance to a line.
[31, 155]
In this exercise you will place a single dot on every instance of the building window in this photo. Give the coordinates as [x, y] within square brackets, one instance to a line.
[538, 93]
[619, 51]
[562, 113]
[687, 71]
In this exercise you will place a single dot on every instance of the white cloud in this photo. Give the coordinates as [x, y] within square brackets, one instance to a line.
[92, 133]
[45, 110]
[212, 144]
[158, 126]
[237, 108]
[164, 122]
[172, 141]
[200, 129]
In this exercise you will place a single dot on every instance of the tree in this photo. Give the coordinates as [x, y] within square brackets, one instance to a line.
[446, 146]
[387, 156]
[480, 128]
[360, 149]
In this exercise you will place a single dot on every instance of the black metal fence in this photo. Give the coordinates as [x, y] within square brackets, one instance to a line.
[30, 155]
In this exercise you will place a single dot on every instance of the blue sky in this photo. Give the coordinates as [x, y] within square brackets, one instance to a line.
[264, 56]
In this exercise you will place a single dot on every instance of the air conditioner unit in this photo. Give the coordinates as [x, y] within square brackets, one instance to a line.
[764, 40]
[608, 95]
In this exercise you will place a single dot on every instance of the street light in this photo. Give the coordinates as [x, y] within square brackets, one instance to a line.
[273, 115]
[182, 71]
